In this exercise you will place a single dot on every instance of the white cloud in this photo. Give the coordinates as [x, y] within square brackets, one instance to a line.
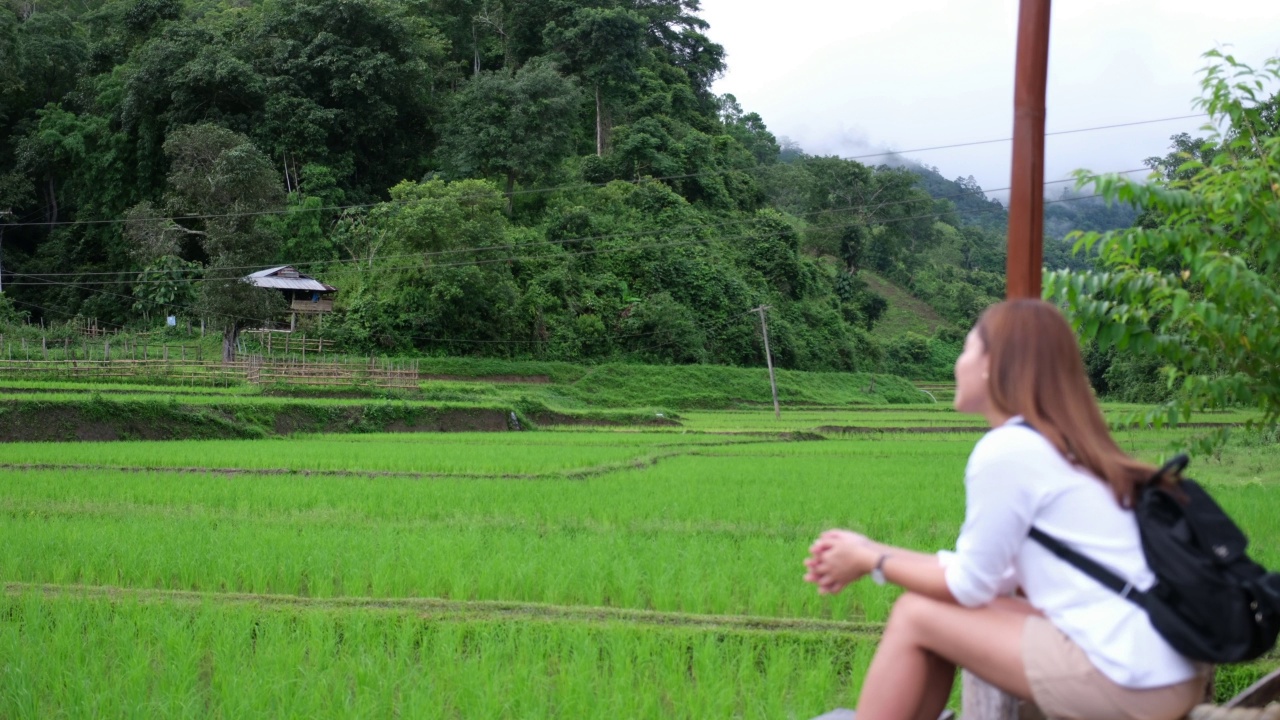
[848, 78]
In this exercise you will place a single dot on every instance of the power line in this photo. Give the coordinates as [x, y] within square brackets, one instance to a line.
[421, 256]
[596, 251]
[561, 241]
[533, 258]
[582, 186]
[1009, 139]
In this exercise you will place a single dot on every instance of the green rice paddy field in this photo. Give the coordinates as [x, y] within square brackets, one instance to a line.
[561, 573]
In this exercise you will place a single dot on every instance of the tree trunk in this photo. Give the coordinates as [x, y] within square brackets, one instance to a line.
[511, 191]
[229, 337]
[599, 124]
[53, 203]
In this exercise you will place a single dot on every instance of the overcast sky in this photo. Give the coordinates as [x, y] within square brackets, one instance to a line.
[849, 78]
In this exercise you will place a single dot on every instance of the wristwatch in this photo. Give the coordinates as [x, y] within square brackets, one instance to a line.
[877, 573]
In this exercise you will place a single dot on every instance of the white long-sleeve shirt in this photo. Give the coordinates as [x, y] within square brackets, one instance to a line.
[1016, 478]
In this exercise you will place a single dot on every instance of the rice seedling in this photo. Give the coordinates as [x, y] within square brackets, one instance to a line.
[564, 574]
[128, 658]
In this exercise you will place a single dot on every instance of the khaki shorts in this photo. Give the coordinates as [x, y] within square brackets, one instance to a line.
[1066, 685]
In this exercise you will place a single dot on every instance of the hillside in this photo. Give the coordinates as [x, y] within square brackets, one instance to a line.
[498, 183]
[906, 313]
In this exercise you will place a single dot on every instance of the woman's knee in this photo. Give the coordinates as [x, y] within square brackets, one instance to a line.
[910, 612]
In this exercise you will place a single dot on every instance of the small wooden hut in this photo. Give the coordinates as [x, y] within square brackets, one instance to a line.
[305, 294]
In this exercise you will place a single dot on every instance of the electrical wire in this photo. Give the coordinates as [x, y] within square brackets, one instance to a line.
[595, 251]
[586, 186]
[422, 256]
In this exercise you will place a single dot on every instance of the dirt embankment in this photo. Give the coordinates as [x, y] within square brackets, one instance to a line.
[619, 420]
[496, 379]
[104, 419]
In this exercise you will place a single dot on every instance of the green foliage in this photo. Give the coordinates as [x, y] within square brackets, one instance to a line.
[516, 124]
[958, 295]
[922, 358]
[966, 201]
[1072, 210]
[1200, 290]
[11, 314]
[166, 284]
[221, 179]
[606, 47]
[750, 131]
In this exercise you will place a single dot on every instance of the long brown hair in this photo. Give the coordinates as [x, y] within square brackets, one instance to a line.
[1036, 372]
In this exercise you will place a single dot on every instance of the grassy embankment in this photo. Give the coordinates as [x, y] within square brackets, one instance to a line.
[456, 395]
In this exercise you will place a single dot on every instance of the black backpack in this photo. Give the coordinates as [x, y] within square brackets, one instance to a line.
[1210, 601]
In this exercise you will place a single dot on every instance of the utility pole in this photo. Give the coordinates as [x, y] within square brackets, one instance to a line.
[768, 358]
[3, 214]
[1026, 193]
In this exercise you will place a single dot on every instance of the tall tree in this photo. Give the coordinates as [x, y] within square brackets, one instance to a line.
[674, 26]
[606, 46]
[364, 80]
[749, 130]
[219, 183]
[515, 124]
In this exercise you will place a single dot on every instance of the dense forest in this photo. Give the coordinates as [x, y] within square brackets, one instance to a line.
[545, 179]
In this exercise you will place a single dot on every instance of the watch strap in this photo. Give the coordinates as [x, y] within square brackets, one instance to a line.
[877, 574]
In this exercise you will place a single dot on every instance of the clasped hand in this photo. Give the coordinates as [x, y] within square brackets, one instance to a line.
[837, 558]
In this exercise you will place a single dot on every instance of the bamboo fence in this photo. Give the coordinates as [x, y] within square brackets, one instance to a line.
[252, 369]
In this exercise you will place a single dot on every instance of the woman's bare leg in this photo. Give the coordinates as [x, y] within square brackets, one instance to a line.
[940, 675]
[912, 672]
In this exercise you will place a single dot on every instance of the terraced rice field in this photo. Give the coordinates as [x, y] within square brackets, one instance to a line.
[566, 574]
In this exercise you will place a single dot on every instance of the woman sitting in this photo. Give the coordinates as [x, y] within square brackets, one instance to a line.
[1074, 647]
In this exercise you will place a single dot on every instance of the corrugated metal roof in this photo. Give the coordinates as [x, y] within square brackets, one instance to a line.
[267, 272]
[268, 279]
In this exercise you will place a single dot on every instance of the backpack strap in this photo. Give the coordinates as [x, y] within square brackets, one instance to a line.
[1090, 567]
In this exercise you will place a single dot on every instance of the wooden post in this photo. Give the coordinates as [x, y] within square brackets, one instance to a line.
[1026, 194]
[304, 348]
[768, 358]
[269, 334]
[982, 701]
[106, 350]
[166, 353]
[44, 347]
